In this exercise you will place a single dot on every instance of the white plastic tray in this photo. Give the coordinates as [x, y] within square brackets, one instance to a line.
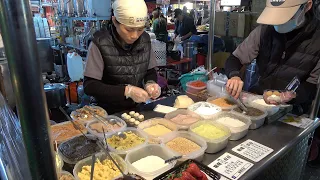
[256, 121]
[223, 108]
[197, 155]
[214, 109]
[149, 150]
[174, 114]
[236, 132]
[214, 145]
[100, 135]
[155, 121]
[124, 152]
[90, 118]
[101, 156]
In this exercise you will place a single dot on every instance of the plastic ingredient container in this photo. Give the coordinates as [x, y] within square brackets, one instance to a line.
[259, 103]
[245, 97]
[256, 121]
[200, 96]
[204, 109]
[85, 116]
[59, 162]
[101, 156]
[154, 138]
[95, 127]
[216, 89]
[137, 132]
[197, 155]
[214, 145]
[224, 102]
[64, 131]
[149, 150]
[236, 132]
[64, 175]
[183, 125]
[196, 86]
[77, 148]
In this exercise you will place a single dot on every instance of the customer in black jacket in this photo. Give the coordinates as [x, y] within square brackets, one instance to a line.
[184, 26]
[120, 65]
[285, 46]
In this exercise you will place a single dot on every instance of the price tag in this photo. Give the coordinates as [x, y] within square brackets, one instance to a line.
[252, 150]
[298, 121]
[230, 166]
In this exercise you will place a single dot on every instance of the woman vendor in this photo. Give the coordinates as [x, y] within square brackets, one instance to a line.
[120, 69]
[287, 44]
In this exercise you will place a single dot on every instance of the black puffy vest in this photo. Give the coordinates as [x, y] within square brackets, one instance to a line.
[121, 65]
[279, 60]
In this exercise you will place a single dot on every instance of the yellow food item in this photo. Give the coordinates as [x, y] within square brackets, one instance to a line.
[183, 101]
[277, 93]
[222, 102]
[182, 145]
[269, 93]
[130, 141]
[67, 177]
[157, 130]
[209, 131]
[102, 171]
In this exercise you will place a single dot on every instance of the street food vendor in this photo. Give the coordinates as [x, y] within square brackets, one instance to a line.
[184, 26]
[285, 45]
[120, 69]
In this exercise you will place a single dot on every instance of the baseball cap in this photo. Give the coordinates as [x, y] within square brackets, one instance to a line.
[132, 13]
[177, 12]
[279, 12]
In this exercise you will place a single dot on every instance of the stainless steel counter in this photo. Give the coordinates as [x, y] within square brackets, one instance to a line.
[290, 145]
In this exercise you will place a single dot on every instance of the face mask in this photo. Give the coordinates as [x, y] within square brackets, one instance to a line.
[297, 20]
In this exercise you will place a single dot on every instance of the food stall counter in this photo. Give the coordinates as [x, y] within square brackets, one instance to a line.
[290, 146]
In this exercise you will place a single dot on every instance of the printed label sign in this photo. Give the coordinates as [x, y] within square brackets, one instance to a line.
[252, 150]
[230, 166]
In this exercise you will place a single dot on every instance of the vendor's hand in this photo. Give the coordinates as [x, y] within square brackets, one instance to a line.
[234, 86]
[137, 94]
[287, 96]
[154, 90]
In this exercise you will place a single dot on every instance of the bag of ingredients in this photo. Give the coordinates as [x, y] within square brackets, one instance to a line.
[13, 156]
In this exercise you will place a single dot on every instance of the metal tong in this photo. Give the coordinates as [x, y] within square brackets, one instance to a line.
[101, 145]
[73, 123]
[172, 159]
[241, 105]
[111, 121]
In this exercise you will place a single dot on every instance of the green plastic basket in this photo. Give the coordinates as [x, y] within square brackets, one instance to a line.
[185, 78]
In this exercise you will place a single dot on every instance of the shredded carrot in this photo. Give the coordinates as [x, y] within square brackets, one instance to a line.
[197, 84]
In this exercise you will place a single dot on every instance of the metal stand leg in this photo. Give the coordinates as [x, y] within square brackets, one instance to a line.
[19, 39]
